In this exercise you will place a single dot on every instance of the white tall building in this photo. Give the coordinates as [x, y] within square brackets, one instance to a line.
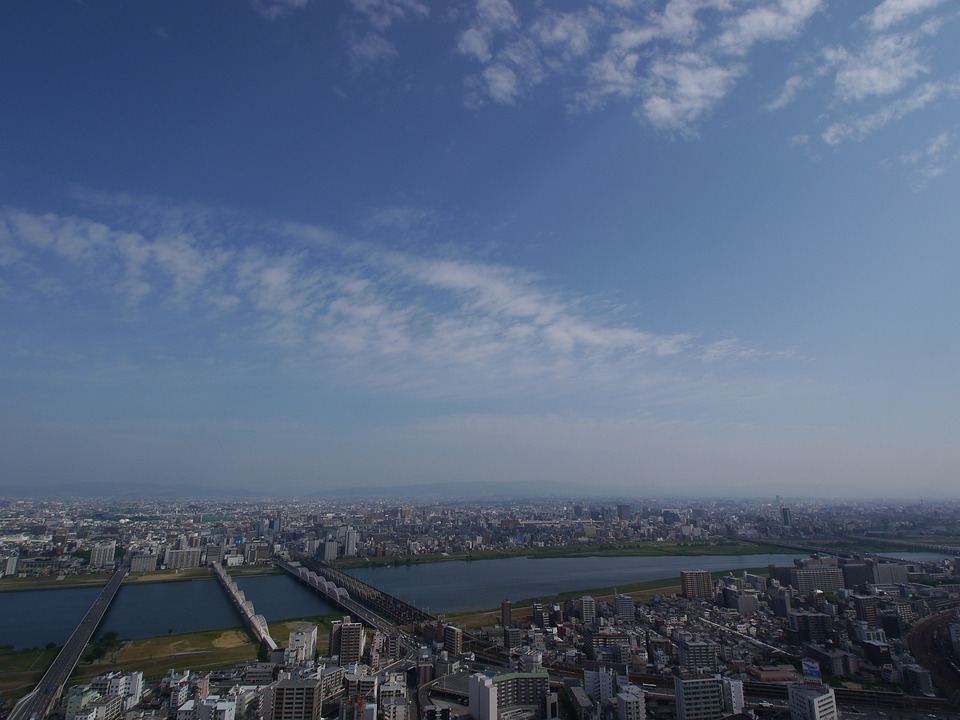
[812, 702]
[302, 646]
[483, 697]
[734, 699]
[600, 684]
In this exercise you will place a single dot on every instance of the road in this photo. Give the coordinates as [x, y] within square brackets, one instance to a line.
[37, 704]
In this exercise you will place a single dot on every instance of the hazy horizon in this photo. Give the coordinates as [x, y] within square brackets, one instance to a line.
[659, 247]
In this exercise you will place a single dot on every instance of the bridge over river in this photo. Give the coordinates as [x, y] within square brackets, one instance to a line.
[37, 704]
[257, 623]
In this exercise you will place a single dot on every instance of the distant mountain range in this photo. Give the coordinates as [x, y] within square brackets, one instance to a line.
[127, 491]
[439, 491]
[468, 491]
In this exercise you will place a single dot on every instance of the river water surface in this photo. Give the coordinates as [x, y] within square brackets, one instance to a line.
[35, 617]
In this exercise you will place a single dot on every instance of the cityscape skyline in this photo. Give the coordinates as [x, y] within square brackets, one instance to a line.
[654, 249]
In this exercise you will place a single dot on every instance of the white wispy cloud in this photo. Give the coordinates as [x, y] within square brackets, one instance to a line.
[858, 128]
[444, 326]
[384, 13]
[370, 50]
[891, 12]
[788, 93]
[683, 87]
[273, 9]
[884, 66]
[932, 160]
[672, 63]
[765, 23]
[366, 31]
[675, 65]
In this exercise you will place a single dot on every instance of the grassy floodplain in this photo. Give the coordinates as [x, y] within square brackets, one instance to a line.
[99, 579]
[21, 670]
[645, 548]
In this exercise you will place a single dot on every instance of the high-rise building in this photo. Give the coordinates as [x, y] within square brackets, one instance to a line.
[101, 554]
[699, 698]
[539, 618]
[352, 641]
[350, 543]
[483, 697]
[786, 514]
[696, 584]
[812, 702]
[328, 550]
[347, 640]
[600, 684]
[588, 609]
[453, 640]
[734, 699]
[624, 607]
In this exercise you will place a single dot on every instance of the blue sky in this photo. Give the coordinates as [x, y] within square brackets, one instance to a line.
[690, 247]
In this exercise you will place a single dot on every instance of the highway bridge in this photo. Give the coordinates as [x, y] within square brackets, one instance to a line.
[256, 623]
[38, 704]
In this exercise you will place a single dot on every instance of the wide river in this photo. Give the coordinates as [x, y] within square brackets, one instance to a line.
[482, 584]
[35, 617]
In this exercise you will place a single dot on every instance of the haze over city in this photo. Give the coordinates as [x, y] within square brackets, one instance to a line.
[644, 247]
